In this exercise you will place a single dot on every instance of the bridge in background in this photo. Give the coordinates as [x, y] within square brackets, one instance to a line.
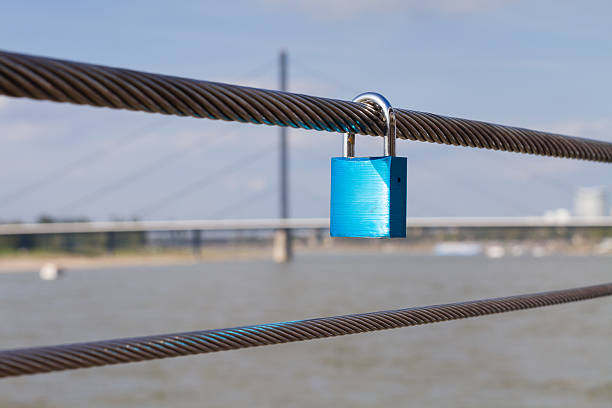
[282, 245]
[291, 223]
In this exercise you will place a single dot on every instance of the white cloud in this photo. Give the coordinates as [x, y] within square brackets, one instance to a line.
[600, 129]
[256, 184]
[298, 85]
[25, 130]
[550, 171]
[346, 9]
[192, 138]
[307, 139]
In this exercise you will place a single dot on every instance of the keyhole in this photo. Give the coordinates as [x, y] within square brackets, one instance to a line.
[399, 179]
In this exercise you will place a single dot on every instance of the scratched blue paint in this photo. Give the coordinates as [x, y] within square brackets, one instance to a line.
[368, 197]
[191, 341]
[218, 335]
[309, 125]
[202, 337]
[157, 346]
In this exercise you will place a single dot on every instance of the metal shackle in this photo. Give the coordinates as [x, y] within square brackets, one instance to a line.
[348, 148]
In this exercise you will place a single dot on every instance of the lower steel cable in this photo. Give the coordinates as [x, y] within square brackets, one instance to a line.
[99, 353]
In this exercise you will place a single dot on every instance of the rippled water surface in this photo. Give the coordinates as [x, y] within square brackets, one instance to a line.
[559, 356]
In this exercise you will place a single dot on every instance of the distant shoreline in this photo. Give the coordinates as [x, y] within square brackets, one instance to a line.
[32, 262]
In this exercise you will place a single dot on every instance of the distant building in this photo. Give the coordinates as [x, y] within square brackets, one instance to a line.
[558, 215]
[591, 202]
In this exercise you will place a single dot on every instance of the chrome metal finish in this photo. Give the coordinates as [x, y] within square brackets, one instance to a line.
[348, 147]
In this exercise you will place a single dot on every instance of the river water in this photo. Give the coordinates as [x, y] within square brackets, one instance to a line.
[559, 356]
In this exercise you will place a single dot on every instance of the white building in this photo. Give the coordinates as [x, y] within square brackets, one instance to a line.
[591, 202]
[558, 215]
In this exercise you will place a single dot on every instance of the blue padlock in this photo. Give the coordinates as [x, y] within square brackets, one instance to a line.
[368, 194]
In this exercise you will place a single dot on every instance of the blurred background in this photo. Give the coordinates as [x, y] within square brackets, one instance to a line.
[543, 65]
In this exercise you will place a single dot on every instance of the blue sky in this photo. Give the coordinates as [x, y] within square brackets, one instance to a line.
[543, 65]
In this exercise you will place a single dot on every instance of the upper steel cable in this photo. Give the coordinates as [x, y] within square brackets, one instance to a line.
[65, 81]
[81, 355]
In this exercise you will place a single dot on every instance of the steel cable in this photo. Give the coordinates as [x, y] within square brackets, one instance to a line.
[99, 353]
[79, 83]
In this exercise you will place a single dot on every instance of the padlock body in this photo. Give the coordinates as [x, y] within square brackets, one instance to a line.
[368, 197]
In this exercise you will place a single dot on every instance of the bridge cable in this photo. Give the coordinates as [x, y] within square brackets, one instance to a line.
[235, 164]
[136, 174]
[77, 165]
[99, 353]
[64, 81]
[241, 203]
[96, 155]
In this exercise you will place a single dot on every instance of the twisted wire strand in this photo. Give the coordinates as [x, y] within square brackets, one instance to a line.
[85, 84]
[99, 353]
